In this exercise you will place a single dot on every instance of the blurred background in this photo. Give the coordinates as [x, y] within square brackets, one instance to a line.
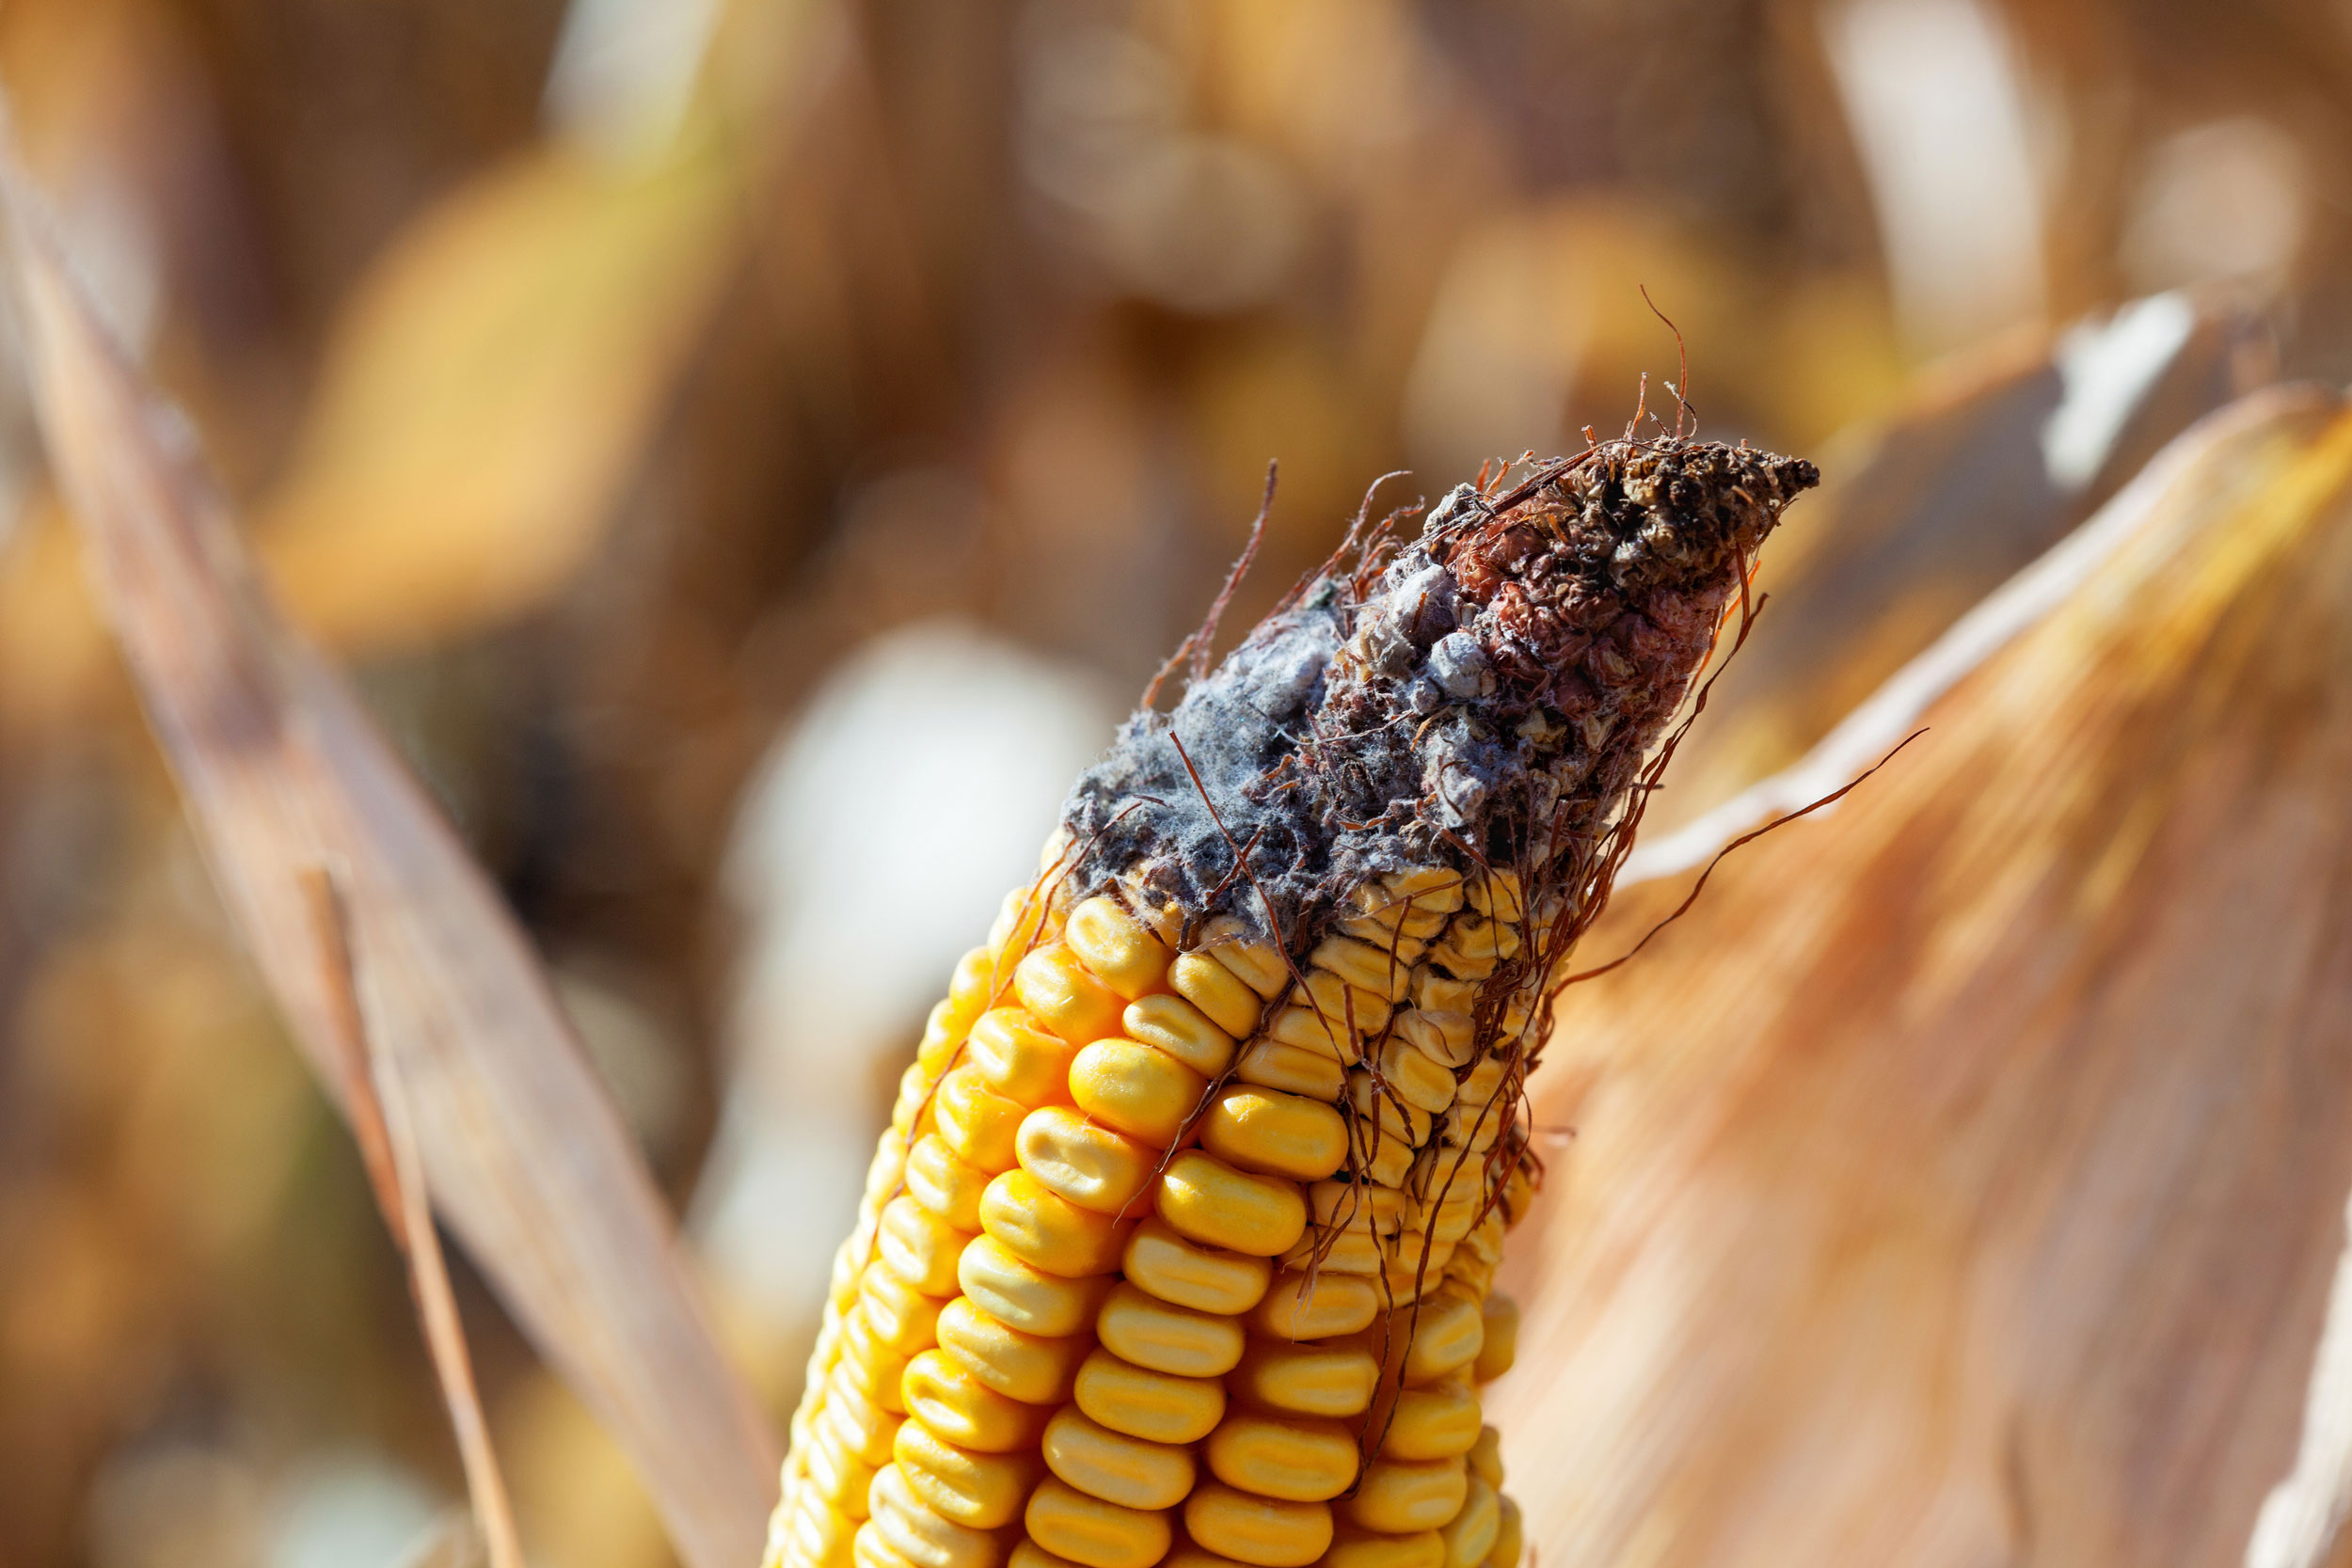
[751, 452]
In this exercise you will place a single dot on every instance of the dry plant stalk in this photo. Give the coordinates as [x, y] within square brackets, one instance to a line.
[1966, 1185]
[1208, 1154]
[282, 770]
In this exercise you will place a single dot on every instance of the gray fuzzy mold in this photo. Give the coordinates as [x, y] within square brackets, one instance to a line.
[1487, 692]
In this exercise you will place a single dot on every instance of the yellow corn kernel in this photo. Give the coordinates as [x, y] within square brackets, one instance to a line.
[1088, 1165]
[1485, 1457]
[1069, 1523]
[914, 1093]
[1500, 1345]
[1307, 1380]
[1485, 1239]
[1019, 1296]
[1301, 1305]
[1348, 1252]
[873, 1367]
[967, 1412]
[1132, 1472]
[1024, 918]
[1363, 1011]
[972, 988]
[1401, 1496]
[842, 1288]
[1346, 1205]
[1362, 965]
[1019, 1366]
[1257, 965]
[1483, 1082]
[1471, 1275]
[1185, 1553]
[1025, 1064]
[1450, 1038]
[1423, 1081]
[1210, 1202]
[1166, 1338]
[1145, 1094]
[908, 1526]
[944, 1182]
[877, 1382]
[1264, 1533]
[921, 1246]
[1441, 993]
[1438, 1420]
[1508, 1536]
[1141, 1403]
[1175, 1269]
[838, 1477]
[1272, 1065]
[1363, 1548]
[1319, 1033]
[978, 1491]
[1445, 1337]
[1519, 1192]
[1062, 995]
[1281, 1134]
[821, 1535]
[871, 1548]
[900, 1317]
[1384, 1162]
[1116, 948]
[1173, 1024]
[1380, 1113]
[1298, 1459]
[1469, 1537]
[1388, 934]
[860, 1426]
[1214, 987]
[975, 1122]
[1028, 1554]
[1048, 1231]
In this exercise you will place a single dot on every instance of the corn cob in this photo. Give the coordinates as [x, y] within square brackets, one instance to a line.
[1180, 1246]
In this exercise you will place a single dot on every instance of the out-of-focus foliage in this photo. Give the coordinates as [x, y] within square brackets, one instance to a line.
[605, 376]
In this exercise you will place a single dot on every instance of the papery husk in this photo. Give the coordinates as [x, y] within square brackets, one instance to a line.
[1962, 1181]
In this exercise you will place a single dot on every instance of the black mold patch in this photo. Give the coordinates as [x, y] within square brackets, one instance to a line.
[1485, 694]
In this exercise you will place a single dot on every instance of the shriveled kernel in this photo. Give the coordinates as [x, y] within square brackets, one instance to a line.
[975, 1122]
[1089, 1164]
[1048, 1231]
[1508, 1536]
[1450, 1038]
[1281, 1134]
[1483, 1084]
[1303, 1305]
[1116, 947]
[1347, 1005]
[909, 1527]
[1257, 963]
[1383, 1115]
[1401, 1496]
[1176, 1269]
[1441, 993]
[1062, 995]
[1132, 1088]
[944, 1182]
[1307, 1380]
[1087, 1530]
[1166, 1337]
[1019, 1366]
[955, 1406]
[1469, 1536]
[921, 1246]
[1173, 1024]
[1296, 1458]
[1362, 965]
[1420, 1078]
[1025, 1064]
[1271, 1063]
[1499, 1344]
[1438, 1420]
[1159, 1406]
[1485, 1457]
[1117, 1468]
[1215, 989]
[976, 1490]
[1211, 1203]
[1264, 1533]
[901, 1317]
[1022, 1297]
[1353, 1547]
[1345, 1204]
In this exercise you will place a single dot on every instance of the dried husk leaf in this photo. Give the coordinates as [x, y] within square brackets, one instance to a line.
[1963, 1179]
[282, 772]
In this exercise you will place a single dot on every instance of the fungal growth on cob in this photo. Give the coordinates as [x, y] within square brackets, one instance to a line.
[1180, 1247]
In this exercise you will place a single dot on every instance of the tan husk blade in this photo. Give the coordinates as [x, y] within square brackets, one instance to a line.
[1963, 1181]
[282, 770]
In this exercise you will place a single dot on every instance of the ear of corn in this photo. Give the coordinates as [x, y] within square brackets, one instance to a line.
[1181, 1245]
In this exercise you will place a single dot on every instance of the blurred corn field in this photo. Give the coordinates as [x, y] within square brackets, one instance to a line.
[748, 454]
